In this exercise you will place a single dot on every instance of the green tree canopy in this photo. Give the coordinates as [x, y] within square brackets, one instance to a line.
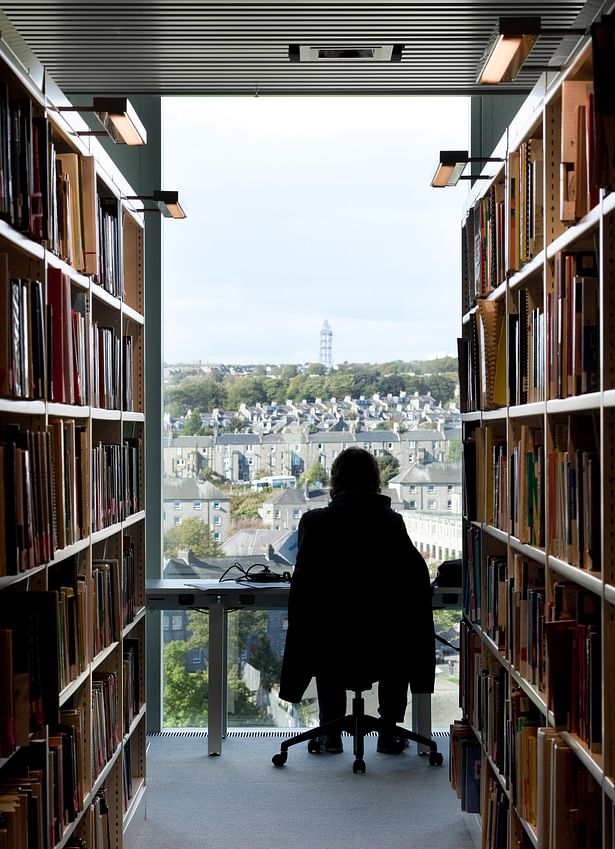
[202, 392]
[316, 474]
[388, 465]
[192, 534]
[193, 425]
[454, 451]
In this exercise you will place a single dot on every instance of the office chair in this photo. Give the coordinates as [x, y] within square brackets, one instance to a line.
[358, 724]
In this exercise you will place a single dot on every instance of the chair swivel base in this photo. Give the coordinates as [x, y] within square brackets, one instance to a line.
[357, 724]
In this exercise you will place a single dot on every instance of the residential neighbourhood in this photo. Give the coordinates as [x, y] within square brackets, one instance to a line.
[421, 443]
[244, 477]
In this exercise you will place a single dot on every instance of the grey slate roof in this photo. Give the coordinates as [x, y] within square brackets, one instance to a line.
[377, 436]
[215, 567]
[190, 442]
[449, 473]
[238, 439]
[254, 541]
[314, 498]
[190, 489]
[421, 435]
[331, 436]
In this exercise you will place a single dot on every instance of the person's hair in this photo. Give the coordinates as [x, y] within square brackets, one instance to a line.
[354, 469]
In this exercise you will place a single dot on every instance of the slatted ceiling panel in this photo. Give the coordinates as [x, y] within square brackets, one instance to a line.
[198, 47]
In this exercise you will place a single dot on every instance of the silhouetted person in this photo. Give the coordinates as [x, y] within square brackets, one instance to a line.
[359, 603]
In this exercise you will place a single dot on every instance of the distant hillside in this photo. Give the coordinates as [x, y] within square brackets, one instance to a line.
[276, 384]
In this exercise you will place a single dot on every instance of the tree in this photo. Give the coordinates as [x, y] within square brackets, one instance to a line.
[245, 506]
[185, 694]
[248, 390]
[193, 425]
[388, 465]
[202, 392]
[316, 474]
[192, 534]
[269, 665]
[453, 451]
[234, 425]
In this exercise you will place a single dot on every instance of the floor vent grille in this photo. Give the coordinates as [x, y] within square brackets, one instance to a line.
[251, 732]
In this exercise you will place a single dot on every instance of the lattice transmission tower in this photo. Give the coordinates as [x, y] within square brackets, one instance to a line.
[326, 344]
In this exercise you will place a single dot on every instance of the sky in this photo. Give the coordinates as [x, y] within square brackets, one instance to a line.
[302, 209]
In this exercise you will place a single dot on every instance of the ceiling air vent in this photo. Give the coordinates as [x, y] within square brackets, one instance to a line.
[349, 52]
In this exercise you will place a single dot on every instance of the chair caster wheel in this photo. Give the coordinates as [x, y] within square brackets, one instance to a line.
[436, 759]
[314, 747]
[279, 759]
[358, 765]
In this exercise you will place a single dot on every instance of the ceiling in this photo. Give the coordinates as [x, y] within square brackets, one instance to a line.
[203, 47]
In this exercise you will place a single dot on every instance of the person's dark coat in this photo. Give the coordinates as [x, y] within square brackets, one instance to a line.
[360, 599]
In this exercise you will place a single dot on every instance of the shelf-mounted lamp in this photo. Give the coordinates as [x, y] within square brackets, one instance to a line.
[510, 46]
[167, 203]
[452, 164]
[118, 118]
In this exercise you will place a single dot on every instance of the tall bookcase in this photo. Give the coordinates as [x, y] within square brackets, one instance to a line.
[537, 368]
[72, 534]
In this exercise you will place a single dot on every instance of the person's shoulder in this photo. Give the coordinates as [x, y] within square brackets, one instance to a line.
[314, 515]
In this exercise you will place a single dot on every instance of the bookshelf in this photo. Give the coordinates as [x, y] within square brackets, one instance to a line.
[537, 375]
[72, 535]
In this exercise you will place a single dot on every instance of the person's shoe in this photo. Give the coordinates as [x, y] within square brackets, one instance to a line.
[391, 744]
[331, 743]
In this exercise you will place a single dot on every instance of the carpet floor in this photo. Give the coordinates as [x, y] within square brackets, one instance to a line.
[241, 801]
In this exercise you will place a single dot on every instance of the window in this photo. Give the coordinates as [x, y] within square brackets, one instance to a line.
[431, 487]
[177, 505]
[177, 622]
[177, 520]
[216, 520]
[449, 488]
[449, 504]
[228, 456]
[431, 503]
[196, 505]
[197, 656]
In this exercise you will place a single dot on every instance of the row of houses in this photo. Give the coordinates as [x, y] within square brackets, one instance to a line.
[427, 496]
[241, 457]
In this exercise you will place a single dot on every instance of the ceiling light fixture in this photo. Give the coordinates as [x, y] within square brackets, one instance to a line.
[452, 164]
[116, 114]
[510, 46]
[166, 203]
[345, 53]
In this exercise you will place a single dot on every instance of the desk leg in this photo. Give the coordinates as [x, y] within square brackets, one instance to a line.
[421, 718]
[216, 726]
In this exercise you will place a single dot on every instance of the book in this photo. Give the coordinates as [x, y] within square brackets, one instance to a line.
[489, 330]
[68, 165]
[573, 189]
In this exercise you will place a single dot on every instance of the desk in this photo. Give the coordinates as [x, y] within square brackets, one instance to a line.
[219, 598]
